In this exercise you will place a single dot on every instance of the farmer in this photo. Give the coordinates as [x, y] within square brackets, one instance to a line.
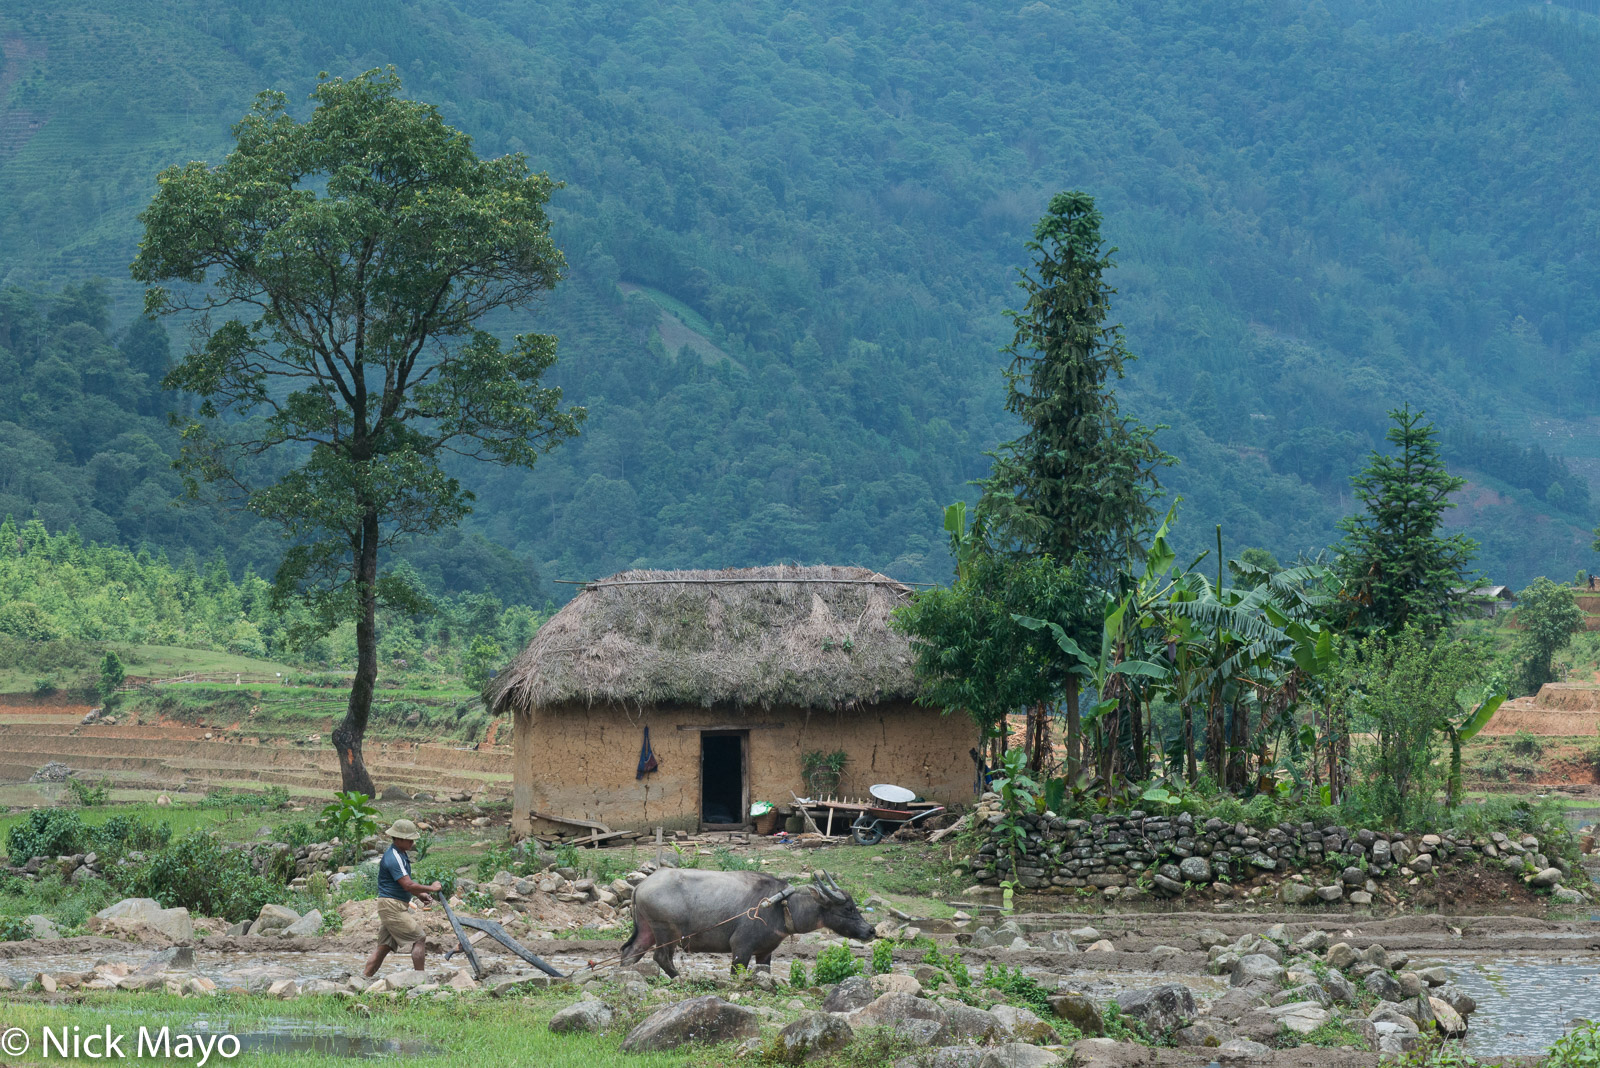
[396, 926]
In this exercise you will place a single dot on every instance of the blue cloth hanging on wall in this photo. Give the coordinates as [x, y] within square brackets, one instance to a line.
[647, 757]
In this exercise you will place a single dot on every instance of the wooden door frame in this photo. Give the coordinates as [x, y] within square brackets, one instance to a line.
[744, 781]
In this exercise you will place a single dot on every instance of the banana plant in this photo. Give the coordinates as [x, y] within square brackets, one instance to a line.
[1462, 733]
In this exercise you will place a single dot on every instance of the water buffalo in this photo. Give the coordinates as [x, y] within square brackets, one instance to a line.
[746, 913]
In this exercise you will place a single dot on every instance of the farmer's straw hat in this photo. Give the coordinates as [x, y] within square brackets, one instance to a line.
[404, 829]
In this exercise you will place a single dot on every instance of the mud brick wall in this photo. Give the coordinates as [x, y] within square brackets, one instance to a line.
[580, 760]
[1170, 853]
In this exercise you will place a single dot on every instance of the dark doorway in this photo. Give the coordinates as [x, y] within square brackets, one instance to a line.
[722, 779]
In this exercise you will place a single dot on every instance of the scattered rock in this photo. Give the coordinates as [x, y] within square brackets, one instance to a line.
[1340, 955]
[854, 993]
[1260, 969]
[1161, 1008]
[1293, 893]
[1301, 1017]
[274, 918]
[132, 913]
[1241, 1049]
[1235, 1003]
[1545, 879]
[1022, 1025]
[1457, 999]
[963, 1023]
[44, 928]
[816, 1034]
[586, 1016]
[1202, 1033]
[1080, 1012]
[307, 926]
[1102, 946]
[1383, 985]
[703, 1019]
[895, 983]
[1448, 1021]
[1019, 1055]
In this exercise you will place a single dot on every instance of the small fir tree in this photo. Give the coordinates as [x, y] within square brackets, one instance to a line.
[1396, 568]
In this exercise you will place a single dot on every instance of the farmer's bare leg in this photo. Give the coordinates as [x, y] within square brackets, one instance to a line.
[419, 955]
[375, 960]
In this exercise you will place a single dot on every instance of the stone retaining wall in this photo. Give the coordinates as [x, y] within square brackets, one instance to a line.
[1168, 854]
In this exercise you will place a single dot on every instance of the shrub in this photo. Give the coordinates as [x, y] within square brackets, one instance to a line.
[47, 832]
[445, 877]
[14, 929]
[951, 964]
[882, 957]
[90, 795]
[119, 834]
[835, 965]
[1018, 989]
[1576, 1049]
[1526, 744]
[797, 974]
[349, 817]
[202, 874]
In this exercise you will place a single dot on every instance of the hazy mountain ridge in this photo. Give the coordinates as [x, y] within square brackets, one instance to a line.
[1321, 212]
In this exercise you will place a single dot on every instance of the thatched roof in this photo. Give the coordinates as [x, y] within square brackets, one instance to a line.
[815, 637]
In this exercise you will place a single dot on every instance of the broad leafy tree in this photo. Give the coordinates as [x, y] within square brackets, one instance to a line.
[338, 271]
[1548, 613]
[1397, 569]
[1080, 480]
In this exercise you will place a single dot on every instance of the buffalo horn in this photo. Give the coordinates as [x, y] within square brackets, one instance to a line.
[830, 889]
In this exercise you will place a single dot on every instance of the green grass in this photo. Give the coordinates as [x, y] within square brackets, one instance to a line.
[471, 1029]
[916, 877]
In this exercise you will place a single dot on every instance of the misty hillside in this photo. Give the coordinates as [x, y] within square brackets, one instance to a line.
[792, 232]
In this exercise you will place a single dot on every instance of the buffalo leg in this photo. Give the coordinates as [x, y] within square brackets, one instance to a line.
[663, 957]
[744, 944]
[764, 961]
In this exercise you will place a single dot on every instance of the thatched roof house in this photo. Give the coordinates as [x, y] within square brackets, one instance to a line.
[737, 675]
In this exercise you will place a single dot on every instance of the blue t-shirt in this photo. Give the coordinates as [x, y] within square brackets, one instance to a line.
[393, 865]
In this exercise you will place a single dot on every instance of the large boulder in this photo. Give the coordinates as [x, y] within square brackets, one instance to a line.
[307, 926]
[706, 1019]
[586, 1016]
[273, 918]
[43, 927]
[1161, 1008]
[1447, 1019]
[1022, 1025]
[967, 1024]
[1196, 870]
[1080, 1012]
[1341, 955]
[944, 1057]
[918, 1020]
[1259, 970]
[1301, 1017]
[816, 1034]
[132, 915]
[1296, 893]
[1205, 1033]
[854, 993]
[1383, 985]
[1019, 1055]
[1457, 999]
[1235, 1003]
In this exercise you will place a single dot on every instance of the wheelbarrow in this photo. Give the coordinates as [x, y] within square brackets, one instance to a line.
[875, 822]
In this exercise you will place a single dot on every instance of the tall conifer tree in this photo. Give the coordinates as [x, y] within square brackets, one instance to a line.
[1080, 480]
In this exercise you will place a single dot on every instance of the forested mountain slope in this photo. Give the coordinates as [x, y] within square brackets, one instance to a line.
[792, 230]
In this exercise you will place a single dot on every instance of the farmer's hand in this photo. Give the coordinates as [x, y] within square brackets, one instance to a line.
[436, 887]
[424, 900]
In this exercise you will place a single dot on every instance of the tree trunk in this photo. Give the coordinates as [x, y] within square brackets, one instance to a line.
[1041, 738]
[1193, 771]
[348, 734]
[1074, 730]
[1216, 741]
[1239, 750]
